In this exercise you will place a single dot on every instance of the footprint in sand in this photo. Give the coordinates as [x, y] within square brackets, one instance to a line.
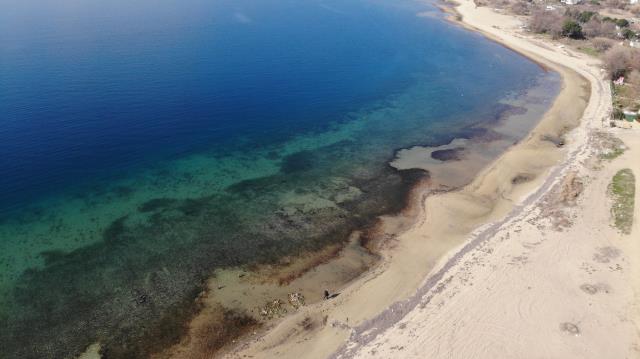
[595, 288]
[606, 254]
[570, 328]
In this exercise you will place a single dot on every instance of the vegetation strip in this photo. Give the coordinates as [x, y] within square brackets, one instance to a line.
[622, 189]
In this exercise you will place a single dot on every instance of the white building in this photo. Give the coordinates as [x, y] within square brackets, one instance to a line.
[574, 2]
[633, 2]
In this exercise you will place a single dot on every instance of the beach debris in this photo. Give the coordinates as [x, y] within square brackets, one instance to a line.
[307, 323]
[606, 254]
[328, 295]
[619, 81]
[273, 309]
[570, 328]
[522, 178]
[296, 300]
[557, 203]
[572, 187]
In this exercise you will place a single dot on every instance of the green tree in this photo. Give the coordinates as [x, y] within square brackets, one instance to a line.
[572, 29]
[585, 16]
[628, 34]
[622, 22]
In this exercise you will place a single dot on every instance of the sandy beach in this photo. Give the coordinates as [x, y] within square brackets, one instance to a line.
[536, 270]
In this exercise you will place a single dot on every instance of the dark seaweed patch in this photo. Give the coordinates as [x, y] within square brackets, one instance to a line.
[156, 204]
[135, 290]
[193, 207]
[51, 257]
[453, 154]
[298, 162]
[116, 230]
[123, 191]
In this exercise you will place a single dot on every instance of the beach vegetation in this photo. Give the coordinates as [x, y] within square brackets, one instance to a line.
[617, 4]
[628, 34]
[546, 22]
[622, 22]
[618, 114]
[594, 27]
[580, 16]
[622, 191]
[591, 51]
[618, 22]
[601, 44]
[520, 8]
[620, 60]
[610, 146]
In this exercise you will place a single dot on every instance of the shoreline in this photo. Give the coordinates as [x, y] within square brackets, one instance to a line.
[250, 290]
[485, 200]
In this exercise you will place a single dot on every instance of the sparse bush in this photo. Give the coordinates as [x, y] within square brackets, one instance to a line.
[628, 34]
[622, 22]
[617, 61]
[546, 22]
[519, 8]
[608, 29]
[597, 28]
[585, 16]
[602, 44]
[592, 28]
[618, 114]
[618, 4]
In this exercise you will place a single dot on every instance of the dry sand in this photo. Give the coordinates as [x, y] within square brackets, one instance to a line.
[533, 274]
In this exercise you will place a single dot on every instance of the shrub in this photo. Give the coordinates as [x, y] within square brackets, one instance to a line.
[617, 60]
[547, 22]
[608, 29]
[597, 28]
[519, 8]
[618, 114]
[628, 34]
[572, 29]
[618, 4]
[622, 22]
[585, 16]
[602, 44]
[592, 28]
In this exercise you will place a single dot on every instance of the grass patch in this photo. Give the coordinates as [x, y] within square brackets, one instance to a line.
[612, 153]
[609, 146]
[589, 51]
[622, 189]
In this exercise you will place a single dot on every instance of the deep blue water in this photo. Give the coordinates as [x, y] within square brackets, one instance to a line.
[90, 88]
[140, 138]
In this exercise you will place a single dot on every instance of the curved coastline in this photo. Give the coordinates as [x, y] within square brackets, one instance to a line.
[417, 262]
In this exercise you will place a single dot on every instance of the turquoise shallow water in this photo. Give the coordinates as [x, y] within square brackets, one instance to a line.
[145, 145]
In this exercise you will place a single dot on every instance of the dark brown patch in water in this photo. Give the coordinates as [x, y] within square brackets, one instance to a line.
[453, 154]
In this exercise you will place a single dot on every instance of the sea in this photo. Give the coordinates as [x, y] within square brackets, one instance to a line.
[145, 144]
